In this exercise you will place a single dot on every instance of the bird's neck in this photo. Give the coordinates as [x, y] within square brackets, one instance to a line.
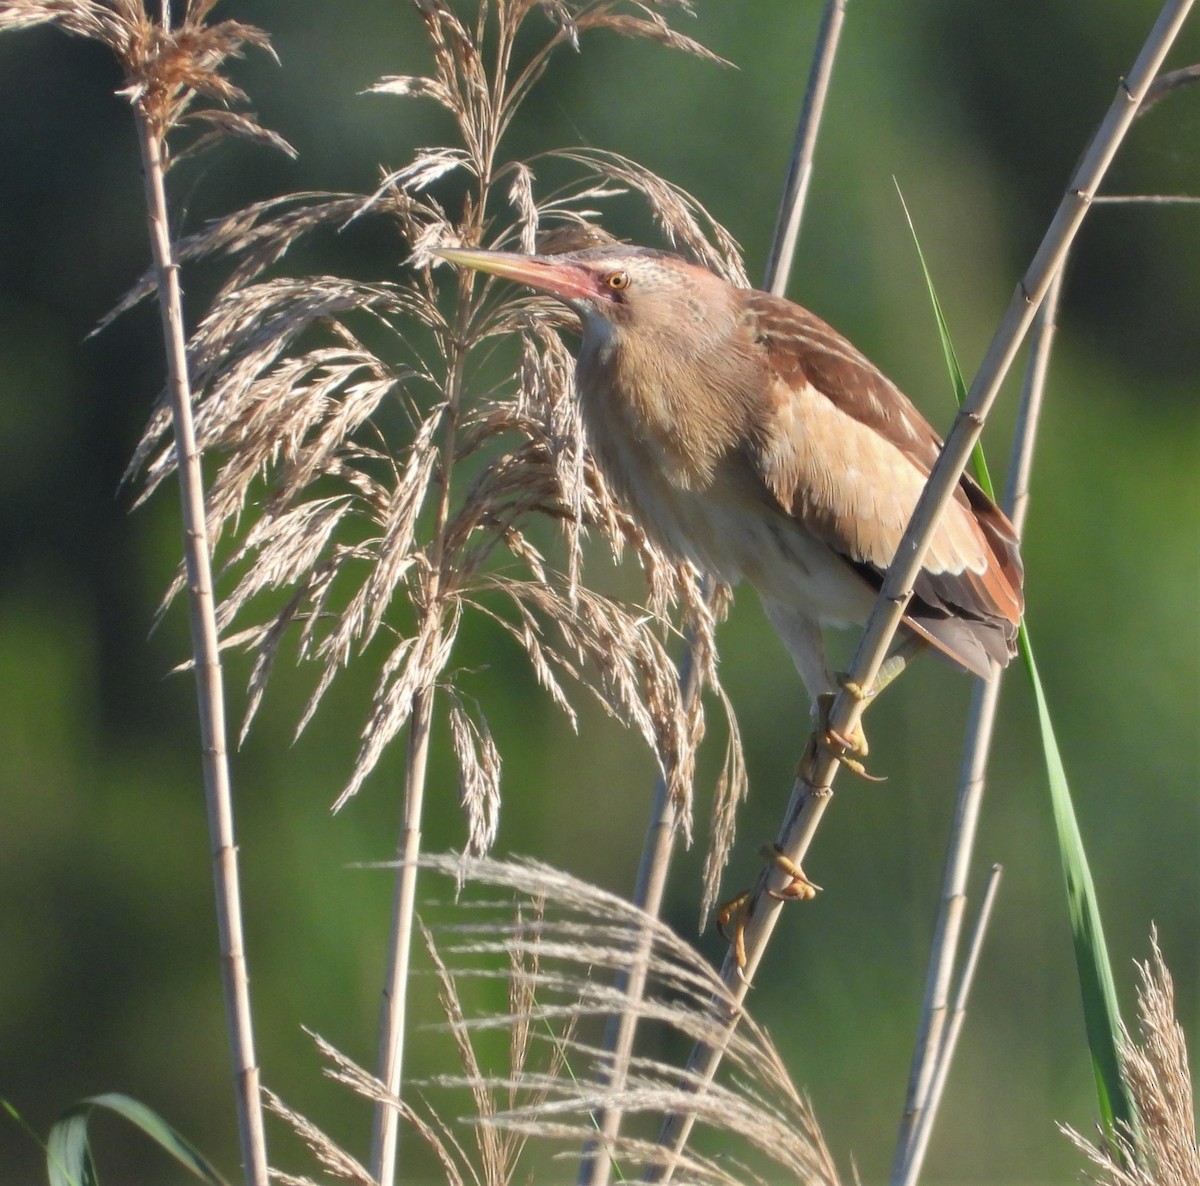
[681, 407]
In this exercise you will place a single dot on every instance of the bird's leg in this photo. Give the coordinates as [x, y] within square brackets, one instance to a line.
[889, 669]
[738, 910]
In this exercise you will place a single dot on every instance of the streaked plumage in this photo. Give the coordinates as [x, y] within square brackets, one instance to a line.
[745, 434]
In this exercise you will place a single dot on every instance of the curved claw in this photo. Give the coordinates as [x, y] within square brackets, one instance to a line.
[798, 888]
[738, 905]
[855, 690]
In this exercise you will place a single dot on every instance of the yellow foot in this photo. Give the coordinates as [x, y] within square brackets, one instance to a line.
[798, 888]
[738, 910]
[856, 690]
[849, 748]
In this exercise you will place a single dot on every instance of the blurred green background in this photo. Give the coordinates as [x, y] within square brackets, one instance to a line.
[108, 976]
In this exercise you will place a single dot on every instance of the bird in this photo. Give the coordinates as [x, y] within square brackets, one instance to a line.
[744, 434]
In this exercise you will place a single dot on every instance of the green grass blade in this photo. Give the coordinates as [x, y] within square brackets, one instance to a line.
[69, 1155]
[982, 474]
[1100, 1014]
[56, 1166]
[1096, 986]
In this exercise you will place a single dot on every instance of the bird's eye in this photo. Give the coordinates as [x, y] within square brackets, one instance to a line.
[617, 280]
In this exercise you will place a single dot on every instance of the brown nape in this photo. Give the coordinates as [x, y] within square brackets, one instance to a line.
[571, 236]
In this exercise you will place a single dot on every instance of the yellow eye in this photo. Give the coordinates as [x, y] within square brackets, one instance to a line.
[617, 280]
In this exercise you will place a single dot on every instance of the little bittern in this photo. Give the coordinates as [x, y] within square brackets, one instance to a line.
[746, 435]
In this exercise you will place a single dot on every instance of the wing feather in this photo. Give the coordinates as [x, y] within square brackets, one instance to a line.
[846, 453]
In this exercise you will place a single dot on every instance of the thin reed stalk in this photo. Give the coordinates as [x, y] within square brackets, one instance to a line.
[923, 1127]
[173, 77]
[812, 792]
[795, 191]
[392, 1028]
[172, 71]
[664, 821]
[981, 719]
[210, 693]
[930, 1056]
[653, 869]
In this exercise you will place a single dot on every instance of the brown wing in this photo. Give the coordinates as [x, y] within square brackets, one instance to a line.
[847, 454]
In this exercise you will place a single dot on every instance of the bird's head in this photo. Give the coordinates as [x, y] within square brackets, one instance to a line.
[622, 294]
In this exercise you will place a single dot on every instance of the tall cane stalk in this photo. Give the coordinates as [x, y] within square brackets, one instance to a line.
[210, 694]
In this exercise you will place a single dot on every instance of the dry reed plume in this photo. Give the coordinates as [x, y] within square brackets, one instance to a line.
[384, 496]
[555, 953]
[173, 73]
[1162, 1149]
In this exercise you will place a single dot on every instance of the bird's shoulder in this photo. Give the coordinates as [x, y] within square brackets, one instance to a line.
[800, 350]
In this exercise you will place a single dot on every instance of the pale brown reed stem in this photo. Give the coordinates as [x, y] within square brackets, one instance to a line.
[811, 794]
[210, 693]
[658, 847]
[980, 722]
[957, 1018]
[653, 868]
[795, 192]
[386, 1133]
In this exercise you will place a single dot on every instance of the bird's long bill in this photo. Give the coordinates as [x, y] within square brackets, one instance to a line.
[559, 277]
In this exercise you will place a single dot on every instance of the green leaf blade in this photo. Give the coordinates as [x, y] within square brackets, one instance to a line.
[69, 1155]
[979, 462]
[1098, 991]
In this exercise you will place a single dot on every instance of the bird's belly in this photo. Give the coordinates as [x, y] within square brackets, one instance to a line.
[786, 564]
[735, 535]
